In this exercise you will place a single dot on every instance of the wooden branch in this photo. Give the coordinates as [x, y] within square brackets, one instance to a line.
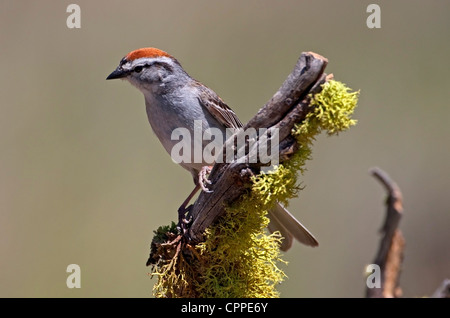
[305, 74]
[288, 106]
[390, 253]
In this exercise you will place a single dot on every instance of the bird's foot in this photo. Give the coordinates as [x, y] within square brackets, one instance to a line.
[203, 178]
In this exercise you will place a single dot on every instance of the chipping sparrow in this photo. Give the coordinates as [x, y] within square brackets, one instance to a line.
[173, 99]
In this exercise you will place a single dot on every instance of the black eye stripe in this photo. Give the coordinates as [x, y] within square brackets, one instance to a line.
[138, 68]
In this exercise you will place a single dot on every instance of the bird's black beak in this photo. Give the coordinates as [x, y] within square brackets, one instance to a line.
[118, 73]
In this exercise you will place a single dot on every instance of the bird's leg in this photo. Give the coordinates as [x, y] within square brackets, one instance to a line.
[183, 213]
[182, 219]
[182, 208]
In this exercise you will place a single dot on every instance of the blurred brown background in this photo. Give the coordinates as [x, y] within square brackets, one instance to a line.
[83, 180]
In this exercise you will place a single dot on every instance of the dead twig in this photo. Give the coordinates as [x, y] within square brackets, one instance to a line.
[288, 106]
[390, 252]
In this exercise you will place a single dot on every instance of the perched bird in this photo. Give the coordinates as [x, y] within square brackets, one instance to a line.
[173, 99]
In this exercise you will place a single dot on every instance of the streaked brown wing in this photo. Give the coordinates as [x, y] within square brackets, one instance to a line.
[217, 107]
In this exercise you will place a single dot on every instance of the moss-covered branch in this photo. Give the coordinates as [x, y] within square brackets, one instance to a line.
[235, 256]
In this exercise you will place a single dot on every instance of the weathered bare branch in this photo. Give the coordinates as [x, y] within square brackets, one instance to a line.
[305, 74]
[288, 106]
[390, 252]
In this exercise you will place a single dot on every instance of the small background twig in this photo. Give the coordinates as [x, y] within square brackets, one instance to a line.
[390, 252]
[443, 290]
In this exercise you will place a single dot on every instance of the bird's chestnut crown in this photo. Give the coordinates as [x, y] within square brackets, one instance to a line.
[137, 60]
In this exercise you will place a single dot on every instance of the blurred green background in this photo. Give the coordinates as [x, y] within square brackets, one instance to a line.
[83, 179]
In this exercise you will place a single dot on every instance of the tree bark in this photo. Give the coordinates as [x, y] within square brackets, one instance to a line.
[390, 252]
[288, 106]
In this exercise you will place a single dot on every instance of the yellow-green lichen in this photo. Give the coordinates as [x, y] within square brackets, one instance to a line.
[242, 257]
[332, 111]
[239, 258]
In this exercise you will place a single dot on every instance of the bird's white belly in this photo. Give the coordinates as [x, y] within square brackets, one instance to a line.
[186, 133]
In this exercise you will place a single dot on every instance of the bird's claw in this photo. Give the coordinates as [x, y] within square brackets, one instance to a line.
[184, 219]
[203, 179]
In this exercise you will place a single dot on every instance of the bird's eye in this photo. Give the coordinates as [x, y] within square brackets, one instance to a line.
[138, 69]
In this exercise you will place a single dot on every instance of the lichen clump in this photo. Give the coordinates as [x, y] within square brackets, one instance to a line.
[242, 258]
[239, 258]
[332, 111]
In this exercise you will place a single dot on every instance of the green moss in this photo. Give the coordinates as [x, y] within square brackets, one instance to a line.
[161, 234]
[333, 108]
[242, 257]
[239, 258]
[332, 111]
